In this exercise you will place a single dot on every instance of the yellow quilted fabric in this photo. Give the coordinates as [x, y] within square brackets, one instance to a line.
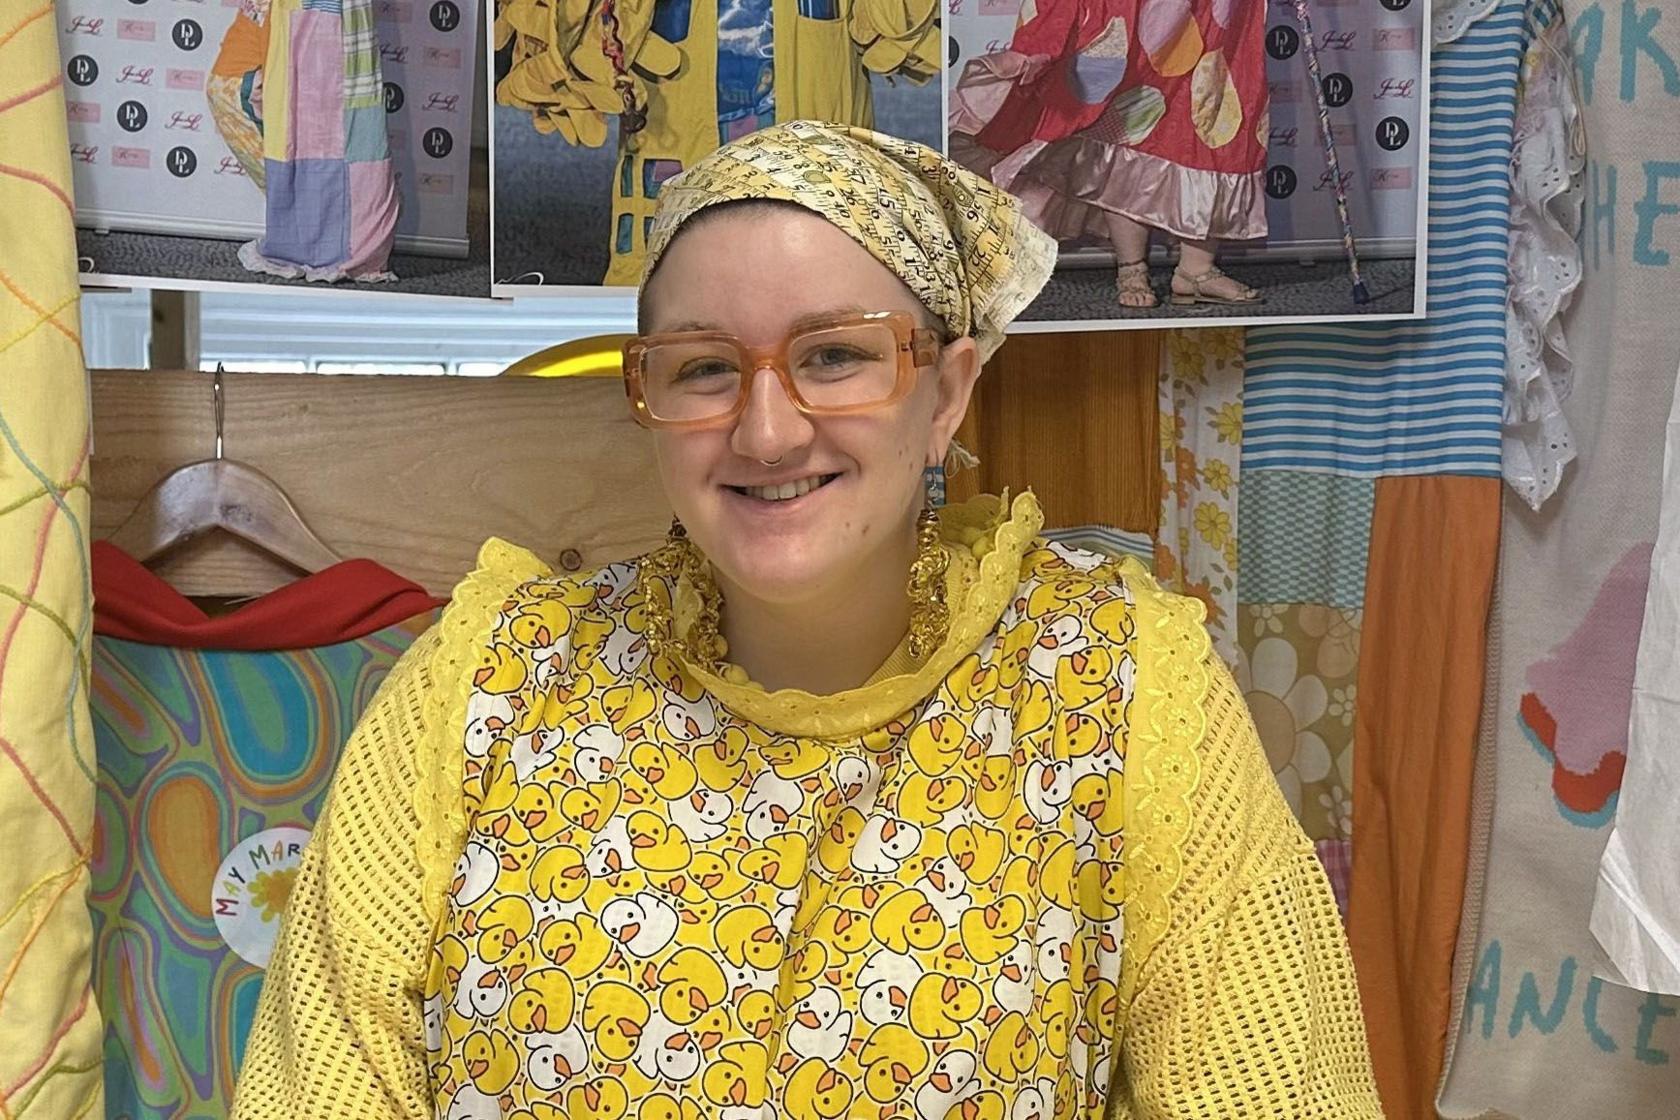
[49, 1023]
[558, 880]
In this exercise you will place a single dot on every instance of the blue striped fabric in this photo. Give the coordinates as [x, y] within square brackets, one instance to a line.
[1415, 397]
[1101, 539]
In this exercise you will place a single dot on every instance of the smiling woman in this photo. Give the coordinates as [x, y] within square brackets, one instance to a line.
[835, 805]
[804, 486]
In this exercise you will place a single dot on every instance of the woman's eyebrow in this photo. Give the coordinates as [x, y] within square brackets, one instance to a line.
[811, 319]
[823, 318]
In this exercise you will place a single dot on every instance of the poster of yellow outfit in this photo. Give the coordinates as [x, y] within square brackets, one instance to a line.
[599, 102]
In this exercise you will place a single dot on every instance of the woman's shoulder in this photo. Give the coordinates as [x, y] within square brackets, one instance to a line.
[506, 576]
[513, 597]
[1085, 582]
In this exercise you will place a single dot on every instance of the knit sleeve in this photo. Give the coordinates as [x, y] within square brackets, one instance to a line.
[338, 1028]
[1246, 1005]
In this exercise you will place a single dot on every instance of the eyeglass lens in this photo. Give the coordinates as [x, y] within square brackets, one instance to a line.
[837, 368]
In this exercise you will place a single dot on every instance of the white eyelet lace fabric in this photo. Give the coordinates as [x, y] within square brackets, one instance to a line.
[1548, 156]
[1452, 18]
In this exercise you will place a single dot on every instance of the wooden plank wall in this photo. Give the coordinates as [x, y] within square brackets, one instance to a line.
[415, 472]
[1074, 416]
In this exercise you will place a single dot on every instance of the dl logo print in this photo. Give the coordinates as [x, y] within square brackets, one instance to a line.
[181, 161]
[1392, 134]
[445, 16]
[1396, 5]
[1282, 42]
[131, 115]
[437, 142]
[188, 35]
[83, 71]
[1280, 181]
[393, 97]
[1338, 90]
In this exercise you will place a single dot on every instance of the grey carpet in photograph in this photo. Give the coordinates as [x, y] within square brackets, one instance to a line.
[1291, 291]
[209, 258]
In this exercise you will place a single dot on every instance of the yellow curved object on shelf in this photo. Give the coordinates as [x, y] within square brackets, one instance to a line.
[600, 355]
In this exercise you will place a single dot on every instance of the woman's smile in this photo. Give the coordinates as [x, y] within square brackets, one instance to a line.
[782, 493]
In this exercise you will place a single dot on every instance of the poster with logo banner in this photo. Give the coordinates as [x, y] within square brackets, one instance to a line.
[1238, 161]
[165, 100]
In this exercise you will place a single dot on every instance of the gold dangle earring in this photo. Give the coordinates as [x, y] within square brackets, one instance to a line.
[930, 617]
[676, 558]
[705, 634]
[662, 565]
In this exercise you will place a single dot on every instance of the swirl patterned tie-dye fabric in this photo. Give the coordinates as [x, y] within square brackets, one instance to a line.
[212, 767]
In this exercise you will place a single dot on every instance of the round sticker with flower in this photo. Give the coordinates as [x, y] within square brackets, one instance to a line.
[251, 889]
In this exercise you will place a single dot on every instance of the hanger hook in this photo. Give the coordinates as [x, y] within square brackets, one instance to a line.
[216, 389]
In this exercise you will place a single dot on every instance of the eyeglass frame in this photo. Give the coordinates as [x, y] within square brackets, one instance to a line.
[916, 349]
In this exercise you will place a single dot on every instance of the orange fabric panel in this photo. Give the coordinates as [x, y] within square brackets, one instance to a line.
[244, 48]
[1434, 552]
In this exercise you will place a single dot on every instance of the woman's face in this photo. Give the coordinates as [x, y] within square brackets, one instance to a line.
[758, 273]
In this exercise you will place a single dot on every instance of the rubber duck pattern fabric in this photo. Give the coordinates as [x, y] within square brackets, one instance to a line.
[666, 910]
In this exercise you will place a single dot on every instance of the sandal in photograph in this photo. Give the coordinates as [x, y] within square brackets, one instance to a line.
[1133, 280]
[1199, 294]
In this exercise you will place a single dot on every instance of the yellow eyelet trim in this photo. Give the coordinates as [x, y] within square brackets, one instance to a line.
[463, 632]
[1167, 725]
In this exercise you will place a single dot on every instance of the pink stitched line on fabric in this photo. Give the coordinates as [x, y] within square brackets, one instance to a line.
[64, 1028]
[78, 641]
[41, 796]
[30, 94]
[41, 539]
[27, 20]
[24, 298]
[33, 177]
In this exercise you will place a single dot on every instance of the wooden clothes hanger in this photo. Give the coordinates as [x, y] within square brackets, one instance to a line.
[222, 494]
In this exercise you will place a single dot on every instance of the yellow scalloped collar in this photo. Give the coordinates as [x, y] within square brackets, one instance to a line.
[987, 537]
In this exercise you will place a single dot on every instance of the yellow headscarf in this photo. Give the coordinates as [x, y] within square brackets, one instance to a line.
[962, 245]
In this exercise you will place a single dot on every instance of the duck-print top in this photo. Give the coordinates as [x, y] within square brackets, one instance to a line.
[675, 896]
